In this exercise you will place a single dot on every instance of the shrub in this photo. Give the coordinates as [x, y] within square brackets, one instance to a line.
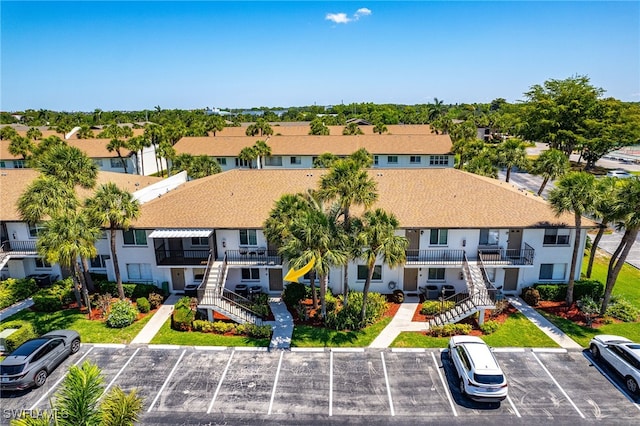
[398, 296]
[103, 301]
[143, 305]
[131, 290]
[53, 298]
[348, 318]
[25, 331]
[258, 331]
[433, 307]
[293, 293]
[501, 306]
[183, 316]
[222, 327]
[155, 300]
[489, 327]
[552, 292]
[531, 296]
[122, 314]
[623, 310]
[450, 330]
[14, 290]
[592, 288]
[589, 308]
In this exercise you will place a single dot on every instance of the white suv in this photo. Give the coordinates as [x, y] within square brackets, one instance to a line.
[481, 378]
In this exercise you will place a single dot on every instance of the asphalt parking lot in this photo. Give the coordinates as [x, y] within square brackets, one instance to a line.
[190, 386]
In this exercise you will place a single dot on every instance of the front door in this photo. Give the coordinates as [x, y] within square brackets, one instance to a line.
[177, 279]
[275, 280]
[410, 279]
[515, 239]
[510, 279]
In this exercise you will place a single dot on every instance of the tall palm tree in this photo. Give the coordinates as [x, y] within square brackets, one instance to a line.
[118, 145]
[575, 192]
[262, 150]
[377, 236]
[85, 132]
[34, 133]
[138, 144]
[605, 210]
[248, 154]
[324, 160]
[627, 209]
[68, 164]
[46, 196]
[348, 185]
[511, 153]
[352, 129]
[317, 127]
[115, 208]
[550, 164]
[167, 152]
[380, 128]
[22, 146]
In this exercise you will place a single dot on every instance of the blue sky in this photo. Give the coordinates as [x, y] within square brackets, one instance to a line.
[78, 56]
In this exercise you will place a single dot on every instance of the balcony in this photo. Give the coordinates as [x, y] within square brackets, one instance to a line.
[19, 247]
[507, 257]
[166, 257]
[435, 257]
[253, 256]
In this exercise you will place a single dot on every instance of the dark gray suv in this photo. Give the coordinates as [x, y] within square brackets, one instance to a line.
[32, 362]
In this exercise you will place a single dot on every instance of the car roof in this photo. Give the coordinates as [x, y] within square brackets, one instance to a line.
[482, 358]
[610, 338]
[30, 346]
[634, 348]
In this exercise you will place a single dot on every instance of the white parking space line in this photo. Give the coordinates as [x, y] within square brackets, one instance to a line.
[120, 372]
[166, 381]
[558, 385]
[444, 383]
[386, 379]
[330, 383]
[604, 373]
[275, 383]
[33, 407]
[515, 410]
[224, 374]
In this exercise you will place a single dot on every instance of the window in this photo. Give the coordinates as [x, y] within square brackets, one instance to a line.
[438, 237]
[97, 162]
[222, 161]
[41, 263]
[438, 160]
[489, 237]
[436, 274]
[248, 237]
[18, 164]
[3, 165]
[135, 237]
[34, 230]
[415, 159]
[241, 163]
[296, 160]
[139, 272]
[363, 270]
[392, 159]
[252, 274]
[199, 241]
[375, 160]
[273, 161]
[552, 271]
[100, 262]
[556, 237]
[117, 163]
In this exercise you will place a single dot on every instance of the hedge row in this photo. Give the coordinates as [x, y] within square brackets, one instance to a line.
[54, 298]
[558, 292]
[131, 291]
[25, 332]
[14, 290]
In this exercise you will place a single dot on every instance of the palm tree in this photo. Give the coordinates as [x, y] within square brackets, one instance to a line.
[63, 128]
[380, 128]
[377, 236]
[262, 150]
[118, 145]
[348, 185]
[69, 165]
[7, 133]
[627, 208]
[511, 153]
[165, 151]
[550, 164]
[215, 124]
[362, 157]
[261, 127]
[352, 129]
[119, 408]
[21, 146]
[116, 209]
[575, 192]
[45, 197]
[248, 154]
[317, 127]
[324, 160]
[138, 144]
[85, 132]
[34, 133]
[483, 163]
[605, 210]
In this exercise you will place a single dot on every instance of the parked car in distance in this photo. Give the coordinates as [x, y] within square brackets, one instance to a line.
[31, 363]
[619, 174]
[481, 377]
[622, 355]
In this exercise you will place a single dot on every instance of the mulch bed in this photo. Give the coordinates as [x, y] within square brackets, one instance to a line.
[571, 313]
[313, 321]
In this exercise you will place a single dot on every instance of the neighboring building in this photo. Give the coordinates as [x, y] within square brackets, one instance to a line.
[18, 256]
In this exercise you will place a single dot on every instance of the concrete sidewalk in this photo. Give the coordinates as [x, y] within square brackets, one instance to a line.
[15, 308]
[282, 326]
[155, 323]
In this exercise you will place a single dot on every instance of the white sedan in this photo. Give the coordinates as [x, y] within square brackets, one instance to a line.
[622, 355]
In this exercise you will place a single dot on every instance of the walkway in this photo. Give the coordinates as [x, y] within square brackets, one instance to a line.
[15, 308]
[155, 323]
[282, 326]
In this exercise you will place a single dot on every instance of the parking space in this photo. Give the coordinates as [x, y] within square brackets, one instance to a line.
[342, 385]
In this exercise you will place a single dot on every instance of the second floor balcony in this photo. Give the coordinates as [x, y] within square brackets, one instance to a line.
[167, 257]
[435, 257]
[511, 257]
[19, 247]
[253, 256]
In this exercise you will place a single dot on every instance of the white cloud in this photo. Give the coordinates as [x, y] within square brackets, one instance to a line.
[342, 18]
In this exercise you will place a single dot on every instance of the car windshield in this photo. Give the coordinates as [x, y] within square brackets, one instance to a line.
[489, 379]
[27, 348]
[11, 369]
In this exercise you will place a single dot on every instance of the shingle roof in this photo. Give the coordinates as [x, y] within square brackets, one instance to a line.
[94, 148]
[420, 198]
[231, 146]
[13, 183]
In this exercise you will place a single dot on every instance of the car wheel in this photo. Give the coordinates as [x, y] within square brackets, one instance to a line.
[595, 352]
[462, 391]
[631, 383]
[40, 378]
[75, 346]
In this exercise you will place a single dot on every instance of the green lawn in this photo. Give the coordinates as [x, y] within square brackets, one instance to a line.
[167, 335]
[517, 331]
[628, 280]
[90, 331]
[311, 337]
